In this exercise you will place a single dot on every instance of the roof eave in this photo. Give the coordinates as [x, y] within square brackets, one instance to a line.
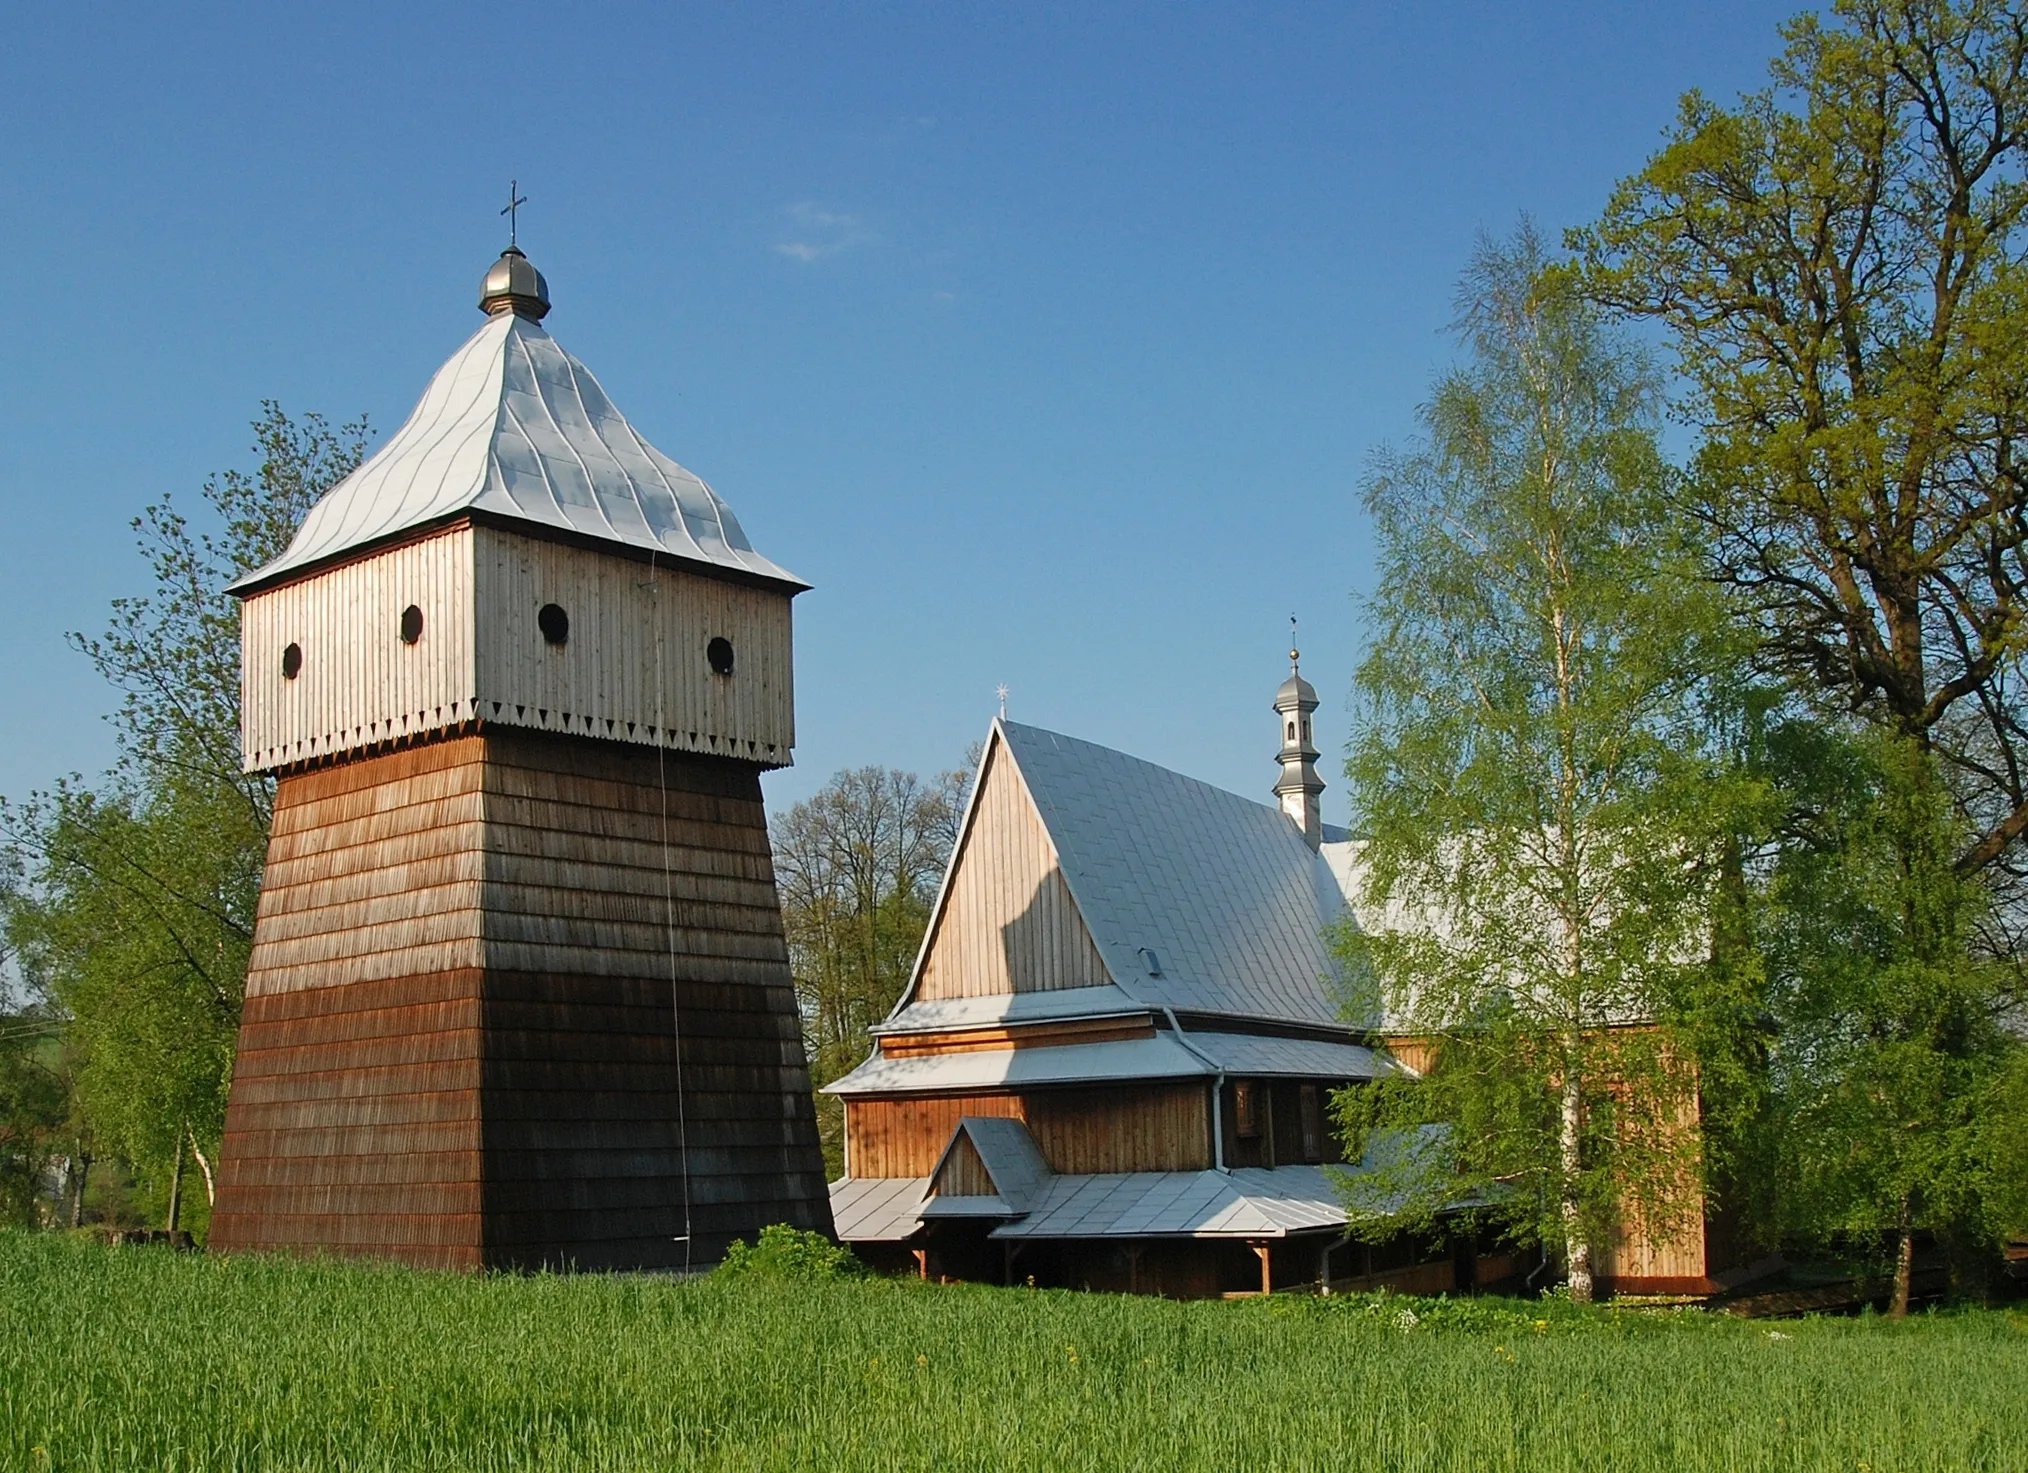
[261, 580]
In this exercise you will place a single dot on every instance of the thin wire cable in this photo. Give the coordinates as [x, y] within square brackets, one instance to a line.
[669, 900]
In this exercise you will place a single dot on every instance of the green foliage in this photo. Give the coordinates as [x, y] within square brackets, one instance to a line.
[134, 905]
[33, 1113]
[1892, 1071]
[858, 864]
[783, 1252]
[148, 1359]
[1537, 772]
[1839, 259]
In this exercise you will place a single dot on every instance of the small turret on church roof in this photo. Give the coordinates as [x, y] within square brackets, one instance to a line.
[1299, 789]
[515, 429]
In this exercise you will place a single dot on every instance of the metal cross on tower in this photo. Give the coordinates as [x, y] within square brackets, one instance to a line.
[515, 200]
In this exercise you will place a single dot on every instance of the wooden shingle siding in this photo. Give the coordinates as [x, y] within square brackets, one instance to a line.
[633, 669]
[1008, 923]
[1138, 1128]
[459, 1044]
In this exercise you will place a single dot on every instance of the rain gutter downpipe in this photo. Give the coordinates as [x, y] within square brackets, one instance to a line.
[1217, 1089]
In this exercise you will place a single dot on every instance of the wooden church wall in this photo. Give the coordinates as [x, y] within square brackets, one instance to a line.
[1145, 1127]
[459, 1041]
[359, 684]
[1009, 923]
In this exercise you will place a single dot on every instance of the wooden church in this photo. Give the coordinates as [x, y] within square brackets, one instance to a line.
[1112, 1065]
[519, 993]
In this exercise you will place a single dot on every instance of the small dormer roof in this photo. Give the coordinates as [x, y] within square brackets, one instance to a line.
[516, 429]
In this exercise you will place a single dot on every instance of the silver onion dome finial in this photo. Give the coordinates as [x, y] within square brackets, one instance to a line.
[513, 284]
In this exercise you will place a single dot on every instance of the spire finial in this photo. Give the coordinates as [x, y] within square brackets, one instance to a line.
[1295, 655]
[515, 200]
[1001, 692]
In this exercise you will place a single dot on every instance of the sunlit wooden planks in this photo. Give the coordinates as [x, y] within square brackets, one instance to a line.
[1140, 1128]
[1008, 923]
[634, 666]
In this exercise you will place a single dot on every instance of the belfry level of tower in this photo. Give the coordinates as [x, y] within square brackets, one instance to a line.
[519, 992]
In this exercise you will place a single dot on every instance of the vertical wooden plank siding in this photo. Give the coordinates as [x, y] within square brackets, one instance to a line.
[633, 669]
[460, 1044]
[1008, 923]
[1140, 1128]
[359, 685]
[963, 1174]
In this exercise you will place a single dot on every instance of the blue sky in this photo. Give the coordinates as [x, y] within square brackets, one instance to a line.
[1048, 342]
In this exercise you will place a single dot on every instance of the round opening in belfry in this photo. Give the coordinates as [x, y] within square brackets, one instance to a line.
[411, 624]
[292, 662]
[719, 653]
[553, 622]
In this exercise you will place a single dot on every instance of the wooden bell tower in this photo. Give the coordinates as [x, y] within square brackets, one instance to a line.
[519, 992]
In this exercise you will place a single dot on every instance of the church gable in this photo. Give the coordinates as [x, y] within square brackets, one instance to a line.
[962, 1173]
[1007, 922]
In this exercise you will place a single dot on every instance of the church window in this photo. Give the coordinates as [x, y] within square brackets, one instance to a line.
[553, 622]
[411, 624]
[1313, 1124]
[719, 654]
[1292, 731]
[292, 662]
[1245, 1119]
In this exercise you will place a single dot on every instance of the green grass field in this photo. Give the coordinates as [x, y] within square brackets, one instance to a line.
[147, 1359]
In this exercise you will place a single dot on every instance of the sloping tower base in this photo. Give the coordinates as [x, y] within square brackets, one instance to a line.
[503, 1012]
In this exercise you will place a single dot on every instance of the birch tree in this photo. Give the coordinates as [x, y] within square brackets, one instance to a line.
[1527, 774]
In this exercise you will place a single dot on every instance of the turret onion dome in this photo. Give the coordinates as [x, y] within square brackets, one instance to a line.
[516, 430]
[513, 284]
[1295, 691]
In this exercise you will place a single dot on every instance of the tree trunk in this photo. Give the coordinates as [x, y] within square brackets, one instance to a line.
[204, 1166]
[1904, 1268]
[176, 1188]
[84, 1170]
[1576, 1246]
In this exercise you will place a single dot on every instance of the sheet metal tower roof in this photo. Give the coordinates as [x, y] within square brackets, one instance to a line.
[515, 427]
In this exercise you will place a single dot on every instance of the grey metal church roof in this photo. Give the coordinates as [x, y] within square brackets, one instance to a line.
[1250, 1202]
[1158, 1057]
[1222, 890]
[946, 1013]
[877, 1209]
[514, 426]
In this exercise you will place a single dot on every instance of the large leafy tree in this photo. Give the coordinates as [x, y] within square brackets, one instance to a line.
[133, 911]
[1894, 1083]
[858, 864]
[1840, 262]
[1540, 834]
[1839, 259]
